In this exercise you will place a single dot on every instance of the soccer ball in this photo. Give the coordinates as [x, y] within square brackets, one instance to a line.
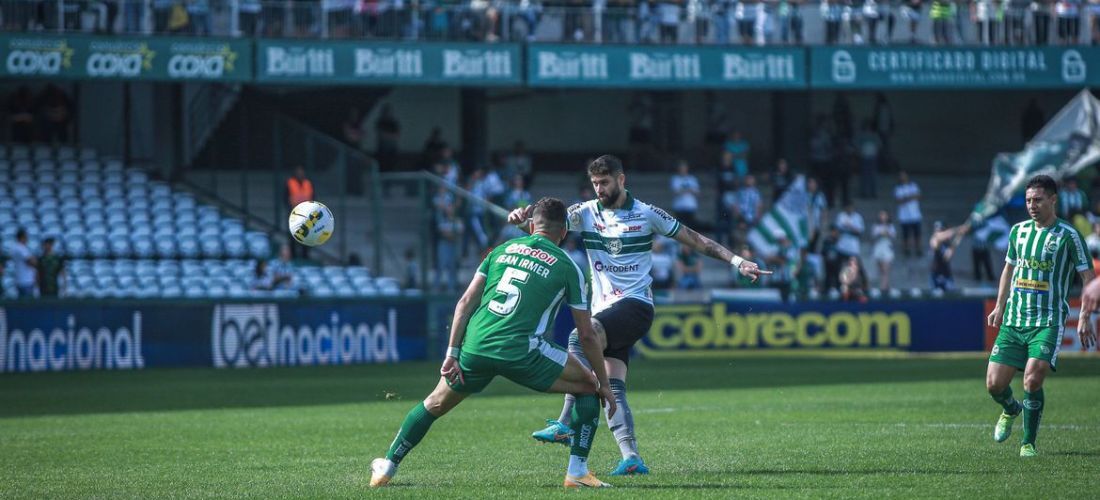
[311, 223]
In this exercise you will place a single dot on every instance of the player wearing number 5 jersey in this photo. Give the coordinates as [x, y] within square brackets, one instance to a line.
[618, 232]
[1032, 308]
[498, 329]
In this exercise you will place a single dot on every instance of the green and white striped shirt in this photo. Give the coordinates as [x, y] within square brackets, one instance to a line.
[1046, 259]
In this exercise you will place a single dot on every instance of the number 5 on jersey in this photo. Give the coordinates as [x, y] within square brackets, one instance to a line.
[507, 287]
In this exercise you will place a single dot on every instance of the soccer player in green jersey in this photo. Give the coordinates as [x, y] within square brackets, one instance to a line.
[1032, 308]
[498, 329]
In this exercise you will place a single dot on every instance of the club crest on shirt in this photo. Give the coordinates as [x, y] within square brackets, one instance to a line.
[1051, 244]
[575, 218]
[614, 246]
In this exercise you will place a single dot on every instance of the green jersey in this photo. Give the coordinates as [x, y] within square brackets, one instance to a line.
[526, 280]
[1046, 258]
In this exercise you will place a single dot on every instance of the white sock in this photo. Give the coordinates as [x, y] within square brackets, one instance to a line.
[578, 466]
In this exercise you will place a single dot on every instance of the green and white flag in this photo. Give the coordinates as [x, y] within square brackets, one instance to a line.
[1067, 144]
[786, 219]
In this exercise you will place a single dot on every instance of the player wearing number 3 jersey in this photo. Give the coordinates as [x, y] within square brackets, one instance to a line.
[498, 329]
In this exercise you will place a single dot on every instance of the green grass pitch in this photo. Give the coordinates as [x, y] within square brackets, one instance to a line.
[777, 427]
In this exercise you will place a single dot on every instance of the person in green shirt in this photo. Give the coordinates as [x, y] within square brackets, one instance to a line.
[51, 268]
[1044, 252]
[498, 329]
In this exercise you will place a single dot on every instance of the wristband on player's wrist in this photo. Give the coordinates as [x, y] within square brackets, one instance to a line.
[453, 352]
[736, 261]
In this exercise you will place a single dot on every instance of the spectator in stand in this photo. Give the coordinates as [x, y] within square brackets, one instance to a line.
[853, 281]
[475, 214]
[872, 12]
[21, 119]
[745, 13]
[940, 12]
[433, 147]
[518, 162]
[668, 18]
[986, 15]
[663, 264]
[1072, 201]
[781, 178]
[1094, 20]
[747, 206]
[1040, 17]
[56, 113]
[387, 132]
[688, 267]
[1092, 241]
[261, 278]
[850, 224]
[449, 228]
[822, 156]
[299, 189]
[789, 16]
[833, 259]
[412, 270]
[832, 13]
[783, 263]
[517, 197]
[911, 11]
[805, 277]
[818, 212]
[884, 234]
[869, 147]
[450, 169]
[51, 270]
[727, 182]
[198, 13]
[942, 250]
[24, 265]
[250, 23]
[907, 196]
[979, 252]
[352, 128]
[740, 149]
[282, 270]
[495, 188]
[685, 193]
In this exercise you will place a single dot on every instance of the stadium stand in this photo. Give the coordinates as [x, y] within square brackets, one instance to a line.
[126, 236]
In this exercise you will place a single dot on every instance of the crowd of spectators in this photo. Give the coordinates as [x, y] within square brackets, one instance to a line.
[754, 22]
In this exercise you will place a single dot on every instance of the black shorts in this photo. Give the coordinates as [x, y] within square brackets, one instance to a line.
[625, 322]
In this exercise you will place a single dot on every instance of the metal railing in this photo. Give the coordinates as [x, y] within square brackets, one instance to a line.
[767, 22]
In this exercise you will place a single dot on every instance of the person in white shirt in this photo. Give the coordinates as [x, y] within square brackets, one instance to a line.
[685, 191]
[850, 224]
[23, 266]
[884, 235]
[663, 263]
[907, 195]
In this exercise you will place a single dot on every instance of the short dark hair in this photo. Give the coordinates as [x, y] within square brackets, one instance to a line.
[1045, 182]
[549, 214]
[605, 165]
[20, 233]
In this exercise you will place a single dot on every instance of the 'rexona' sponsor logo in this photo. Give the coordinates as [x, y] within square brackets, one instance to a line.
[1039, 265]
[600, 267]
[688, 328]
[247, 335]
[73, 347]
[37, 57]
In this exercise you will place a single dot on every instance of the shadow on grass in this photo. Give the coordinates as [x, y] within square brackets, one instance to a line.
[206, 388]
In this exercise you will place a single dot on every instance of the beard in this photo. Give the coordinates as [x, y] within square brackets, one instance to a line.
[610, 196]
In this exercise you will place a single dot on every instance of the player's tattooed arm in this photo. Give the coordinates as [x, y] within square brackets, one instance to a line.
[703, 245]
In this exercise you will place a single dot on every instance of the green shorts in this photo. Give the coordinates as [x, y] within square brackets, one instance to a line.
[537, 370]
[1014, 345]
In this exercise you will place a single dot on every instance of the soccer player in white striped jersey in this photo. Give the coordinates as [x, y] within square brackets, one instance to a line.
[618, 232]
[1044, 252]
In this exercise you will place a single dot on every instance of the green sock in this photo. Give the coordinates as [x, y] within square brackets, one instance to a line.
[413, 429]
[1005, 399]
[1033, 412]
[586, 416]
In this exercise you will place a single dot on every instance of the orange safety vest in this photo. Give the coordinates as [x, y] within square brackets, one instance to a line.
[299, 191]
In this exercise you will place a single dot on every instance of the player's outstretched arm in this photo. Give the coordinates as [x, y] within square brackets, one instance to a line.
[995, 317]
[463, 310]
[593, 351]
[711, 248]
[1085, 329]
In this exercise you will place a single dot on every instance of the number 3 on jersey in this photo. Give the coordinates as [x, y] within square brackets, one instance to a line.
[507, 287]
